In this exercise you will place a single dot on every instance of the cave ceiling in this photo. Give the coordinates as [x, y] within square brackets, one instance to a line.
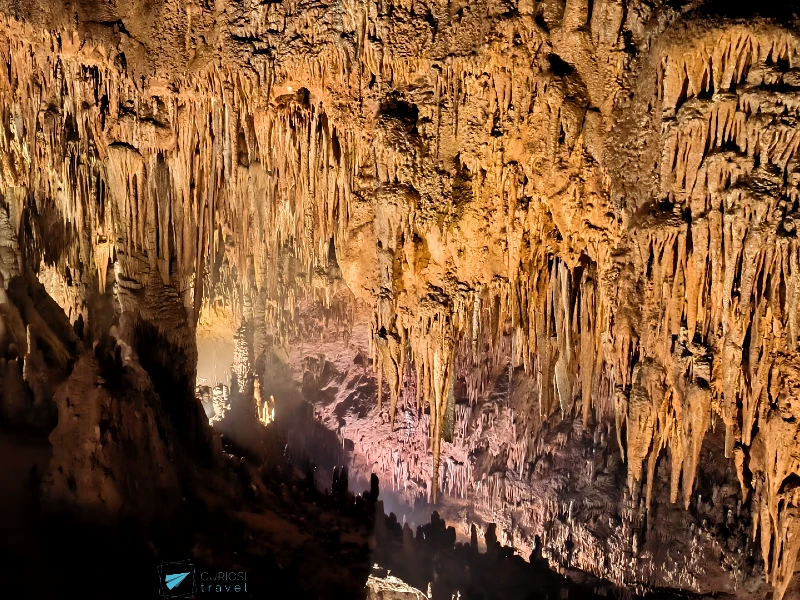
[597, 198]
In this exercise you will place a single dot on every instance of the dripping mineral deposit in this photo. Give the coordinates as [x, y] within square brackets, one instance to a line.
[529, 268]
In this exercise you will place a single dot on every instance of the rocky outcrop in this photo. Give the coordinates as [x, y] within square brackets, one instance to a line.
[112, 455]
[386, 587]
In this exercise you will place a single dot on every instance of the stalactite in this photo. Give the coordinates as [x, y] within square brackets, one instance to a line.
[488, 204]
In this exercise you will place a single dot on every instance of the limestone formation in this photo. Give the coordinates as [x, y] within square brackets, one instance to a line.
[542, 221]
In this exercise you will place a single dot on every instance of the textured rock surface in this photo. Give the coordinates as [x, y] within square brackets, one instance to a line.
[562, 232]
[94, 469]
[388, 587]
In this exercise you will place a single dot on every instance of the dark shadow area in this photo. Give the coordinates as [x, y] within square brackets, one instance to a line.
[305, 436]
[781, 10]
[171, 369]
[265, 521]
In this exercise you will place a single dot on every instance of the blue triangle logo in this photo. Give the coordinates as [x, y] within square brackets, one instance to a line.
[174, 580]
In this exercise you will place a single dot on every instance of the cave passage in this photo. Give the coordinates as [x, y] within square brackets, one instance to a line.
[400, 299]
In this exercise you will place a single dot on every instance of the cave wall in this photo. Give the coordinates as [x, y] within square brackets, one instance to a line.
[597, 198]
